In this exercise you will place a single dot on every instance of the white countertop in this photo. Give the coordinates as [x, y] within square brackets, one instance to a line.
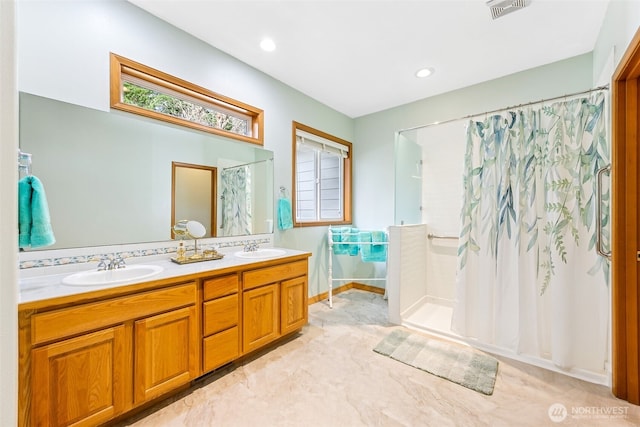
[34, 287]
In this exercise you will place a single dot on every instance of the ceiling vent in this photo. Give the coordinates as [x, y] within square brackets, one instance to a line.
[502, 7]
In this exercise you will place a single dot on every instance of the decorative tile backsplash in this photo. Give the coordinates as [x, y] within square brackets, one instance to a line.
[60, 257]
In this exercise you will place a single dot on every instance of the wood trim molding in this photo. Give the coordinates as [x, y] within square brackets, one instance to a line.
[625, 233]
[344, 288]
[120, 65]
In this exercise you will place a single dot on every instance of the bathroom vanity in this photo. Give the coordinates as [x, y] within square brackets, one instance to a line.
[91, 355]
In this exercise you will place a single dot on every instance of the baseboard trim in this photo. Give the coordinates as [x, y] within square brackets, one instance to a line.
[346, 287]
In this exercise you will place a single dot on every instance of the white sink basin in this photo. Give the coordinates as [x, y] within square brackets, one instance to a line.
[107, 277]
[260, 253]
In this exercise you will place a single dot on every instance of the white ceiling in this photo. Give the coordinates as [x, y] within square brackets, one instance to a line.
[360, 56]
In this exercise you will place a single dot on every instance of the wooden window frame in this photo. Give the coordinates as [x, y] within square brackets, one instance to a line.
[120, 66]
[346, 178]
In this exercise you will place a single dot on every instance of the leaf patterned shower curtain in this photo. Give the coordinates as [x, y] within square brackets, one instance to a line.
[236, 201]
[529, 279]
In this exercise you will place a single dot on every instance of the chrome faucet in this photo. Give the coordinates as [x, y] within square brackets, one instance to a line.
[111, 263]
[251, 247]
[103, 264]
[118, 262]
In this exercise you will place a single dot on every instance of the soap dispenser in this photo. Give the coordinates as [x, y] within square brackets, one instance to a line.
[180, 252]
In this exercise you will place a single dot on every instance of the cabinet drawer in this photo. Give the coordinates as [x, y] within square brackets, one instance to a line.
[220, 348]
[87, 317]
[263, 276]
[220, 286]
[220, 314]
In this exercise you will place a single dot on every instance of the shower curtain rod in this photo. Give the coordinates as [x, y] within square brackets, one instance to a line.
[246, 164]
[599, 88]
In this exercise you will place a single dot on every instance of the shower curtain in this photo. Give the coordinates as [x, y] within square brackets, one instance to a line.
[236, 201]
[529, 279]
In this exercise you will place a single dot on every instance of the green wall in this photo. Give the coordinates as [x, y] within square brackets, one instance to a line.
[63, 54]
[71, 41]
[375, 133]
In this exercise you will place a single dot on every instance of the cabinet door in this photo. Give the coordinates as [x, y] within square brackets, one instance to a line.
[293, 304]
[80, 381]
[261, 317]
[166, 352]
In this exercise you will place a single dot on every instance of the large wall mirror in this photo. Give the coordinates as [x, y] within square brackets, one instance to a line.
[108, 175]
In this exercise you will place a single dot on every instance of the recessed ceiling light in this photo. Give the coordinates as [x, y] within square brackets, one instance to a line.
[268, 45]
[424, 72]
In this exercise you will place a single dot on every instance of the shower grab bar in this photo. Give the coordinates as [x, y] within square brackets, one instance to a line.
[437, 236]
[599, 247]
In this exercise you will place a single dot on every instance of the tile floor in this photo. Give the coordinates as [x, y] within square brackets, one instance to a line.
[329, 376]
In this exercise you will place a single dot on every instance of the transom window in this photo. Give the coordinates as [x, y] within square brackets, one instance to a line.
[142, 90]
[322, 177]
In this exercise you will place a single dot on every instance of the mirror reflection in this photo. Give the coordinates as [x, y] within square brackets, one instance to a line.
[190, 229]
[108, 175]
[193, 194]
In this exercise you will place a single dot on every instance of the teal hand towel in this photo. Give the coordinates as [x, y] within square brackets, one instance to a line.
[379, 238]
[24, 212]
[375, 249]
[285, 218]
[354, 247]
[34, 222]
[337, 237]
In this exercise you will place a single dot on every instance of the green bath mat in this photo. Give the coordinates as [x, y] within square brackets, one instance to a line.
[451, 361]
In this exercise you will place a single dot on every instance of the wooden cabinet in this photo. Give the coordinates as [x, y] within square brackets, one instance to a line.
[221, 317]
[261, 320]
[166, 352]
[274, 303]
[88, 362]
[293, 304]
[80, 380]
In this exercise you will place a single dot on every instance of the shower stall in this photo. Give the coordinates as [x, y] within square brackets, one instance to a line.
[500, 224]
[428, 173]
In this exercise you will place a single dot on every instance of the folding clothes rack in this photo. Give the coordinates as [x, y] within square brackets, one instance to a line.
[355, 242]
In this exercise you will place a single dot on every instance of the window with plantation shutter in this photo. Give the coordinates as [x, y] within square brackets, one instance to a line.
[322, 177]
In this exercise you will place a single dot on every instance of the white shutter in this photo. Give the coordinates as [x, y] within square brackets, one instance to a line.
[330, 186]
[306, 184]
[319, 178]
[321, 144]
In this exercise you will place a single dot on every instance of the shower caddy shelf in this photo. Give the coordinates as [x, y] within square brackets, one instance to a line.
[342, 279]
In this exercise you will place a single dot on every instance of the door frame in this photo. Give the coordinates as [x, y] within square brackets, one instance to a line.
[213, 202]
[625, 296]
